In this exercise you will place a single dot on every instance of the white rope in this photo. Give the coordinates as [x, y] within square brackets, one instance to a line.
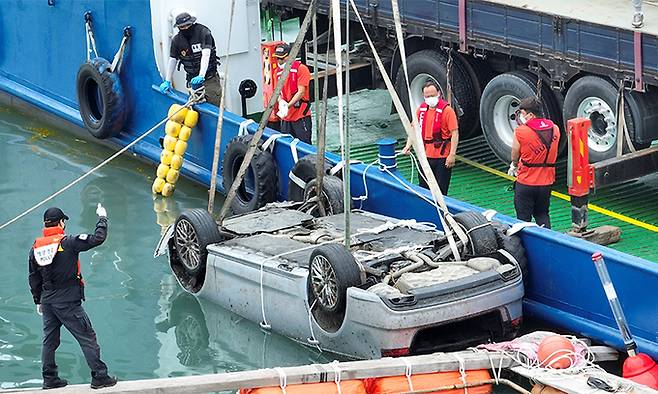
[118, 57]
[489, 214]
[312, 339]
[517, 227]
[337, 372]
[242, 130]
[263, 324]
[193, 99]
[269, 143]
[462, 371]
[90, 41]
[283, 380]
[407, 373]
[339, 166]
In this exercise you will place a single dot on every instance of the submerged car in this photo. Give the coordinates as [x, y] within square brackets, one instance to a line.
[396, 291]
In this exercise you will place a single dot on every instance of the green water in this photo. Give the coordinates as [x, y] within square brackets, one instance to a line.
[146, 327]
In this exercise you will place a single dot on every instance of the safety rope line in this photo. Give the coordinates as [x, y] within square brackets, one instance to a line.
[407, 373]
[89, 33]
[462, 371]
[192, 100]
[283, 379]
[312, 340]
[242, 129]
[565, 197]
[337, 374]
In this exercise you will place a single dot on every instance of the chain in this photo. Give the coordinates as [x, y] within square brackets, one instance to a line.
[448, 76]
[539, 86]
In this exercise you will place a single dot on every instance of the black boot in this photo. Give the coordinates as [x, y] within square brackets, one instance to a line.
[54, 383]
[103, 381]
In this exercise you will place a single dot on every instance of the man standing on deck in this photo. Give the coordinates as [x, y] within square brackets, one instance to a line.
[294, 107]
[194, 46]
[534, 152]
[440, 133]
[58, 291]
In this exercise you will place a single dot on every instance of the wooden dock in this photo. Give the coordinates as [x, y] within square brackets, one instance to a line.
[316, 373]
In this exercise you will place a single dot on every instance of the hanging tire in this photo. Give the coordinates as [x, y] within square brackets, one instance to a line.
[331, 271]
[481, 235]
[101, 99]
[301, 174]
[595, 98]
[332, 196]
[512, 245]
[194, 230]
[431, 65]
[498, 106]
[260, 184]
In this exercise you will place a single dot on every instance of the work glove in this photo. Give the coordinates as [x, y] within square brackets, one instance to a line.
[100, 211]
[39, 310]
[165, 87]
[197, 82]
[283, 109]
[513, 170]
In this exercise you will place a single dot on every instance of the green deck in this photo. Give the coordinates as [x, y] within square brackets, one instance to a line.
[636, 199]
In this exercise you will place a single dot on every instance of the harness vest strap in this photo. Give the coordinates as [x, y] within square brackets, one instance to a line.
[547, 144]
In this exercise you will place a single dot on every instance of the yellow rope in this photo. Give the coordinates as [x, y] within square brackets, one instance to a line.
[565, 197]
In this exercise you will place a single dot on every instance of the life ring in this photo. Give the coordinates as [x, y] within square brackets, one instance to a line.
[259, 186]
[101, 99]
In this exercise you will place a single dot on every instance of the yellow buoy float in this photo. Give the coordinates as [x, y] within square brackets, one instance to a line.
[178, 130]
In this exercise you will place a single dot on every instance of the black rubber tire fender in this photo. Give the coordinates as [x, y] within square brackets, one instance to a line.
[304, 170]
[520, 84]
[482, 236]
[260, 185]
[594, 86]
[347, 274]
[206, 233]
[434, 63]
[101, 99]
[332, 192]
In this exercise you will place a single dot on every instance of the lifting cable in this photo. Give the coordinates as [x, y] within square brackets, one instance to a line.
[447, 221]
[195, 97]
[220, 119]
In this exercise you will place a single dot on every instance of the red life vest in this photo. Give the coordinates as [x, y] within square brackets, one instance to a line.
[290, 87]
[45, 248]
[434, 136]
[539, 140]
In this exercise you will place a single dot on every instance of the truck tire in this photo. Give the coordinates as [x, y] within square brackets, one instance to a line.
[595, 98]
[500, 100]
[331, 271]
[194, 230]
[259, 186]
[431, 65]
[482, 236]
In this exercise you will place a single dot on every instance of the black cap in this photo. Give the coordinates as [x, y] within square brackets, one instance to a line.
[184, 18]
[281, 51]
[54, 215]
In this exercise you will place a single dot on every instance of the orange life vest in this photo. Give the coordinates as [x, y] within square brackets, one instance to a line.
[290, 87]
[539, 140]
[45, 248]
[433, 136]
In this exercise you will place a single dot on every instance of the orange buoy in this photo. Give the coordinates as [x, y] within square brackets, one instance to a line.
[556, 352]
[428, 381]
[346, 387]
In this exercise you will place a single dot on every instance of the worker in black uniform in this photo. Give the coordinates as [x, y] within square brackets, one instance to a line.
[58, 291]
[194, 46]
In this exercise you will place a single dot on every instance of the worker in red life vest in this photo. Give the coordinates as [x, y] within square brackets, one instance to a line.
[534, 152]
[440, 132]
[294, 107]
[58, 291]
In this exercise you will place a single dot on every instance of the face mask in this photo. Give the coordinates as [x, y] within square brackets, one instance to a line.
[432, 101]
[187, 33]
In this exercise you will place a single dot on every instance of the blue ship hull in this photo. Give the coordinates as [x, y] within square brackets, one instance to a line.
[43, 47]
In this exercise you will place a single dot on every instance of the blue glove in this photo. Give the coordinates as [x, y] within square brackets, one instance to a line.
[165, 87]
[197, 81]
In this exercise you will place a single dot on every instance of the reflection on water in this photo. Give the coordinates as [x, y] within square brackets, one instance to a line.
[145, 329]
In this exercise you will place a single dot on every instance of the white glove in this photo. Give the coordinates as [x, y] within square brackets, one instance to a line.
[283, 109]
[513, 170]
[39, 310]
[100, 211]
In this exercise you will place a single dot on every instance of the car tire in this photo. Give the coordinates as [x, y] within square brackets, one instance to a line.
[332, 195]
[331, 264]
[513, 245]
[301, 174]
[482, 236]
